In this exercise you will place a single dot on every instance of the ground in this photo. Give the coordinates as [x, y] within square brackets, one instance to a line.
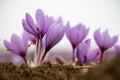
[47, 71]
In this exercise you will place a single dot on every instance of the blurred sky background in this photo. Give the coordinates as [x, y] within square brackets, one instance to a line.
[104, 14]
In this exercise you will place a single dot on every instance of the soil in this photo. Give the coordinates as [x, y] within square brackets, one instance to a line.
[105, 71]
[48, 71]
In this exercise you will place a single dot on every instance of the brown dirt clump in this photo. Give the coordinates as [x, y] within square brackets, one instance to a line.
[46, 71]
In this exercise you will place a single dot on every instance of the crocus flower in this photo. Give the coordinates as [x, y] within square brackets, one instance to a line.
[38, 29]
[42, 24]
[17, 45]
[54, 35]
[46, 31]
[104, 41]
[76, 35]
[84, 55]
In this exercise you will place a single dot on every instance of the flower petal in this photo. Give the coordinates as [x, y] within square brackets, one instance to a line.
[82, 51]
[84, 48]
[48, 22]
[57, 30]
[88, 41]
[27, 27]
[97, 38]
[9, 46]
[76, 34]
[113, 41]
[82, 32]
[94, 55]
[80, 56]
[105, 38]
[31, 22]
[40, 20]
[16, 42]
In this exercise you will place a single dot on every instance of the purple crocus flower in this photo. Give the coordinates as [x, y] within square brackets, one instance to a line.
[38, 29]
[84, 55]
[104, 41]
[43, 23]
[46, 31]
[76, 35]
[17, 46]
[53, 35]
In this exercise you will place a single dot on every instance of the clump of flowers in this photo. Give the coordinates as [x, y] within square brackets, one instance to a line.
[45, 33]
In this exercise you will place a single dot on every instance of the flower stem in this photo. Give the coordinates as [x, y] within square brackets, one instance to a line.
[38, 52]
[25, 59]
[73, 55]
[101, 58]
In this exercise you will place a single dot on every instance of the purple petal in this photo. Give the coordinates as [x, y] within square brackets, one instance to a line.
[7, 45]
[48, 22]
[94, 55]
[97, 37]
[83, 31]
[80, 56]
[10, 46]
[67, 30]
[70, 34]
[27, 27]
[113, 41]
[27, 36]
[40, 19]
[54, 35]
[16, 41]
[105, 38]
[82, 51]
[84, 48]
[88, 41]
[31, 22]
[76, 34]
